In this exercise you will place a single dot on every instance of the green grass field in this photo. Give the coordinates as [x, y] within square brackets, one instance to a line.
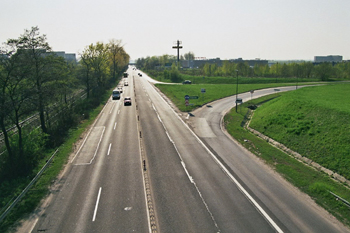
[213, 92]
[314, 121]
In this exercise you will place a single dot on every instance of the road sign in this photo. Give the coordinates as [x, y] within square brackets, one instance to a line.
[203, 90]
[239, 101]
[187, 97]
[193, 97]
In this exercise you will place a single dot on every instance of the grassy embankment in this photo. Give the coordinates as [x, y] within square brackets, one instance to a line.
[308, 121]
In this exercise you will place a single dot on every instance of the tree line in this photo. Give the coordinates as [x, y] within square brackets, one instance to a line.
[35, 81]
[323, 71]
[307, 70]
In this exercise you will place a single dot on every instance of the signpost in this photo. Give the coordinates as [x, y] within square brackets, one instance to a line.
[238, 101]
[187, 97]
[251, 94]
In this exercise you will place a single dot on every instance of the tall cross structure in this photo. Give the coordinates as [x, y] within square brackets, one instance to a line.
[178, 47]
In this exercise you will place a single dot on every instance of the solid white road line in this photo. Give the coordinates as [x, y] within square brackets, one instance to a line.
[96, 206]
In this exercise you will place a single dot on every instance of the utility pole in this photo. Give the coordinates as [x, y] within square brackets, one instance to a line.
[178, 47]
[236, 89]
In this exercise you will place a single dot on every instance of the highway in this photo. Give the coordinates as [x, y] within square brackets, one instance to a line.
[148, 168]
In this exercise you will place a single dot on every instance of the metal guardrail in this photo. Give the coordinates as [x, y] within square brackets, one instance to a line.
[9, 208]
[340, 198]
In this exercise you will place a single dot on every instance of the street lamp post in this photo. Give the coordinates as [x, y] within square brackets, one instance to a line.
[236, 89]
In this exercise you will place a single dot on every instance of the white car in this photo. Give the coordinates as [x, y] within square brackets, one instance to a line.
[127, 101]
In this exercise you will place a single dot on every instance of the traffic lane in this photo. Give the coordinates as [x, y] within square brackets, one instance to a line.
[294, 209]
[73, 199]
[72, 207]
[178, 205]
[70, 196]
[122, 206]
[230, 208]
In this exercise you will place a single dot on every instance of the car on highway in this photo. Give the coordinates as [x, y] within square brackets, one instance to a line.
[116, 95]
[127, 101]
[126, 84]
[120, 89]
[187, 82]
[140, 74]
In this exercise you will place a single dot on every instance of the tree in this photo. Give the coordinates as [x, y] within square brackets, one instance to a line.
[114, 50]
[307, 69]
[86, 68]
[189, 56]
[15, 102]
[100, 63]
[34, 48]
[285, 70]
[324, 71]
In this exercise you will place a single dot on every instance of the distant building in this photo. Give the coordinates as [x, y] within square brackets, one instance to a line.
[330, 58]
[67, 56]
[70, 57]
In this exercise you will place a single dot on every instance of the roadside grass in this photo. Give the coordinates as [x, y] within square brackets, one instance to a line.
[309, 180]
[212, 92]
[40, 189]
[313, 121]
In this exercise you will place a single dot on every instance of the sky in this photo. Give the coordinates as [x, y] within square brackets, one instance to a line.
[225, 29]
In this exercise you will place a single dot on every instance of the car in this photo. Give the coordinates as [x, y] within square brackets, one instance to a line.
[186, 82]
[140, 74]
[127, 101]
[126, 84]
[120, 89]
[116, 95]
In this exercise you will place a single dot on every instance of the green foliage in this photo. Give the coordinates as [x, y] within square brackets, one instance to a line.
[313, 121]
[156, 62]
[19, 164]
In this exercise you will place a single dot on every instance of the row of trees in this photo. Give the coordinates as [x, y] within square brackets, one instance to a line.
[34, 80]
[323, 71]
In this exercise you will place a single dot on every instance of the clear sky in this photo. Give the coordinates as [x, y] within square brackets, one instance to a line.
[229, 29]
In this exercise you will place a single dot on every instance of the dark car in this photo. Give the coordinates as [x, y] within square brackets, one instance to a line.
[186, 82]
[127, 101]
[116, 95]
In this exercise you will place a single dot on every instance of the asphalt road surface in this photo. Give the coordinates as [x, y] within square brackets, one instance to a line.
[146, 168]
